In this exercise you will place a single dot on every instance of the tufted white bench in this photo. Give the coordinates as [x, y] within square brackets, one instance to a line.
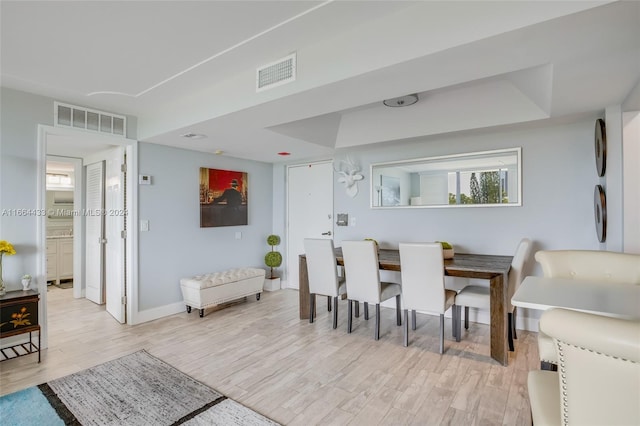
[202, 291]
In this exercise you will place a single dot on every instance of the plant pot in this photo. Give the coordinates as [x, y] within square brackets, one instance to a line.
[25, 284]
[447, 253]
[272, 284]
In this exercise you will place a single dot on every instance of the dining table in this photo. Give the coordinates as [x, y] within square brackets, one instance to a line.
[493, 268]
[618, 300]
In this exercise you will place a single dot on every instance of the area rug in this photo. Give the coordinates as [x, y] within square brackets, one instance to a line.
[137, 389]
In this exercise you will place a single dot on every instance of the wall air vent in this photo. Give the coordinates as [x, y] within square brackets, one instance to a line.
[276, 73]
[76, 117]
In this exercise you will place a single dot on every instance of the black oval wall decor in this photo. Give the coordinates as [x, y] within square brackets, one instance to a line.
[600, 212]
[600, 140]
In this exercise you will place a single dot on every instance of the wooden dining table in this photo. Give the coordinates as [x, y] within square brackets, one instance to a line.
[489, 267]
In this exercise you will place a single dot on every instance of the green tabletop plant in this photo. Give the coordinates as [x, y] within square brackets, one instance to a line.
[273, 259]
[447, 249]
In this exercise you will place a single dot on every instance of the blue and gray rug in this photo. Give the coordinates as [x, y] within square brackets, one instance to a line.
[137, 389]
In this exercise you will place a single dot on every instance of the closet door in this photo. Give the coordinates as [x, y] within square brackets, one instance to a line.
[114, 259]
[94, 243]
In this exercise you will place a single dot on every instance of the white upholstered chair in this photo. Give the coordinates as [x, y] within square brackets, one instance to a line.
[598, 382]
[422, 270]
[479, 297]
[323, 275]
[588, 265]
[363, 269]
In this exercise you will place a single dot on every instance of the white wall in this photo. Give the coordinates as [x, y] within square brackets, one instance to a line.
[557, 210]
[631, 195]
[20, 114]
[175, 246]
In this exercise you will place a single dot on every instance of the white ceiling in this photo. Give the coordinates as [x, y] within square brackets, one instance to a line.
[183, 66]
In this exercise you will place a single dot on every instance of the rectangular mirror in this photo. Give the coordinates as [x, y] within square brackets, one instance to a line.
[489, 178]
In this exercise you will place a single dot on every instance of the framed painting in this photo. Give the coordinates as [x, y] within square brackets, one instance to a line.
[223, 198]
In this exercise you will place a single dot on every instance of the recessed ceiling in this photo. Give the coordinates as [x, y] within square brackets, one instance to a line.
[189, 67]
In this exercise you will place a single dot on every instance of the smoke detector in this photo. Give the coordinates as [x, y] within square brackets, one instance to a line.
[402, 101]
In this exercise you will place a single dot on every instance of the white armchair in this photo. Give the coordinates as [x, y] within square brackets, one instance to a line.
[589, 265]
[598, 382]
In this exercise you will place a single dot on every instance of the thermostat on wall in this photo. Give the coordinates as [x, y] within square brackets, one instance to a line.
[144, 180]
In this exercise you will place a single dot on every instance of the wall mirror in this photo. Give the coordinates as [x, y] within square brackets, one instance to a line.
[488, 178]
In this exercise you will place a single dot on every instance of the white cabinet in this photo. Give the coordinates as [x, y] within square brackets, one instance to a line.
[52, 260]
[59, 259]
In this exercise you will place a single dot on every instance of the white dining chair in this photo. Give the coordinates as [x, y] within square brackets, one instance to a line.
[479, 297]
[422, 271]
[323, 275]
[362, 269]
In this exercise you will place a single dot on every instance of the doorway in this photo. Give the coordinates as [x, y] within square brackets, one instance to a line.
[63, 198]
[89, 148]
[309, 210]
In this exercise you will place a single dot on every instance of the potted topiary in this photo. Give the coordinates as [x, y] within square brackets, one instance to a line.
[447, 249]
[273, 259]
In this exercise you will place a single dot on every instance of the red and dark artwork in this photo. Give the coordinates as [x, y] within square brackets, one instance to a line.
[223, 198]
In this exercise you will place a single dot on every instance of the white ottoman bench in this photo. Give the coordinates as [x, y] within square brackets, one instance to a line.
[212, 289]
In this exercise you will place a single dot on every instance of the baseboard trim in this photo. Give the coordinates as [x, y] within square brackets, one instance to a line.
[159, 312]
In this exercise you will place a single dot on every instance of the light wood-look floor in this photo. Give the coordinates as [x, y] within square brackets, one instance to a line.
[262, 355]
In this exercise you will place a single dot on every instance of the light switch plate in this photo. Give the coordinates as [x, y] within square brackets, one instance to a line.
[144, 225]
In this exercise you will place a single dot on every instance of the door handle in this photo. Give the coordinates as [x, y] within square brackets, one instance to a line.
[326, 233]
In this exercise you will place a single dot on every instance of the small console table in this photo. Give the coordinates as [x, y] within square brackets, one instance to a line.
[19, 315]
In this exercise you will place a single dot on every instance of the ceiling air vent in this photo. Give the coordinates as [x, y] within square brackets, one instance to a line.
[76, 117]
[276, 73]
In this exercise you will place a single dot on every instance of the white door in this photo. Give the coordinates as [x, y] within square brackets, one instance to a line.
[309, 210]
[114, 225]
[94, 196]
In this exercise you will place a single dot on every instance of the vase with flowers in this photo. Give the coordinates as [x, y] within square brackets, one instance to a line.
[5, 248]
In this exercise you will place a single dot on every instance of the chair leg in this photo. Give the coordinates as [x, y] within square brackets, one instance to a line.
[398, 310]
[377, 332]
[312, 307]
[329, 303]
[406, 328]
[349, 318]
[366, 311]
[458, 322]
[454, 321]
[466, 317]
[441, 333]
[357, 308]
[413, 319]
[335, 312]
[510, 330]
[515, 309]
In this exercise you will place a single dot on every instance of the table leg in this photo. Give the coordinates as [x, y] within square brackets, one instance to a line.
[303, 290]
[498, 303]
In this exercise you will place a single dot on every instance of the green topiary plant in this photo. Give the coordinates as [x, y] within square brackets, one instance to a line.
[445, 245]
[447, 249]
[273, 259]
